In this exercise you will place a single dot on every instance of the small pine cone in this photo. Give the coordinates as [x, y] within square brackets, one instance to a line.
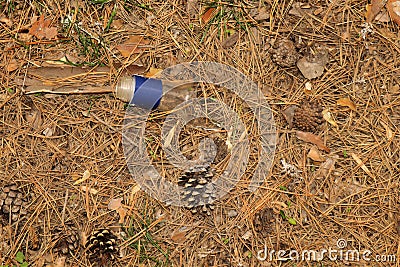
[284, 53]
[263, 220]
[101, 244]
[198, 191]
[308, 117]
[66, 240]
[12, 203]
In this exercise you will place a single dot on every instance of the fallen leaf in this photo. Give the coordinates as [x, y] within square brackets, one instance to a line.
[90, 190]
[40, 29]
[122, 214]
[346, 102]
[393, 7]
[263, 14]
[326, 114]
[34, 117]
[231, 40]
[12, 65]
[288, 113]
[247, 235]
[170, 136]
[85, 176]
[315, 155]
[373, 9]
[362, 165]
[115, 203]
[383, 16]
[134, 45]
[178, 236]
[326, 168]
[312, 138]
[208, 15]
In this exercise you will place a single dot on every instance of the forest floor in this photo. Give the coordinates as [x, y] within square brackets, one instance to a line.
[330, 79]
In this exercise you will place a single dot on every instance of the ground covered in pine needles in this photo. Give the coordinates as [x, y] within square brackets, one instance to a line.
[63, 170]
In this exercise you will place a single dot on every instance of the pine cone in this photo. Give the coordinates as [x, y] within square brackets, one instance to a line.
[66, 238]
[198, 192]
[12, 203]
[101, 244]
[263, 220]
[308, 117]
[284, 53]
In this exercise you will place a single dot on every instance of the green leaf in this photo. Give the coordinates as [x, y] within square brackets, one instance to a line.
[20, 257]
[292, 221]
[283, 188]
[24, 264]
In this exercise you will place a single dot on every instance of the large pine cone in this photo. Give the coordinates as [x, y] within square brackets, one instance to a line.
[308, 117]
[12, 203]
[101, 244]
[66, 240]
[197, 188]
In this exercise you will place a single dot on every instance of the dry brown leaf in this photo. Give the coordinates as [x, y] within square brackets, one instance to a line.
[231, 40]
[122, 214]
[178, 236]
[326, 114]
[393, 7]
[208, 15]
[373, 9]
[314, 154]
[346, 102]
[383, 16]
[134, 45]
[40, 29]
[12, 65]
[326, 168]
[288, 113]
[34, 117]
[312, 138]
[362, 165]
[115, 203]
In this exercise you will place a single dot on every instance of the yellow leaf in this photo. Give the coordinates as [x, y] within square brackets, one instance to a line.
[85, 176]
[361, 164]
[328, 117]
[346, 102]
